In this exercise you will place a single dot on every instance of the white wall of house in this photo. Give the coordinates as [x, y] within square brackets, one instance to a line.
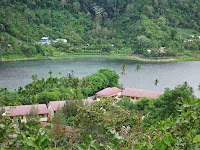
[43, 118]
[51, 112]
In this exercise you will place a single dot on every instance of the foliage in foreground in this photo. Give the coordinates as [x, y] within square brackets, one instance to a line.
[168, 122]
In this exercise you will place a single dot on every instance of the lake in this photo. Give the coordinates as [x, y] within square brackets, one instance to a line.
[18, 73]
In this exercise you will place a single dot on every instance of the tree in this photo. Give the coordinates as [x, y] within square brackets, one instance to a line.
[33, 116]
[168, 102]
[123, 69]
[96, 119]
[58, 122]
[111, 75]
[76, 6]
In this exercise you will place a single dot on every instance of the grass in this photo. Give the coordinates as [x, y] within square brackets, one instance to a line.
[21, 57]
[188, 56]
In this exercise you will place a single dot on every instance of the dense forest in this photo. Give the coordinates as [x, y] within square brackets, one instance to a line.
[166, 27]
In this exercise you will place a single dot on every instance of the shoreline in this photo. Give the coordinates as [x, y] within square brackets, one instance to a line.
[137, 58]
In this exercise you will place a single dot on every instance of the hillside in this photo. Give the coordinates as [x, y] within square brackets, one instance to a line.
[109, 26]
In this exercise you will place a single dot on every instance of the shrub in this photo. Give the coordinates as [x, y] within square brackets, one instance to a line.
[111, 76]
[98, 117]
[127, 103]
[45, 97]
[168, 102]
[92, 82]
[28, 50]
[70, 108]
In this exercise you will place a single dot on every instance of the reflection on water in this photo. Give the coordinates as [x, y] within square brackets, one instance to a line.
[18, 73]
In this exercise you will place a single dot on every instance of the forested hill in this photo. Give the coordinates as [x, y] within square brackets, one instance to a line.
[103, 26]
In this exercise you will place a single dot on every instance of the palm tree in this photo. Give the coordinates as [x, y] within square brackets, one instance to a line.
[156, 82]
[123, 69]
[138, 67]
[199, 87]
[50, 73]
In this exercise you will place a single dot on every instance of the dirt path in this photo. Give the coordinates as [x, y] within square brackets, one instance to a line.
[153, 60]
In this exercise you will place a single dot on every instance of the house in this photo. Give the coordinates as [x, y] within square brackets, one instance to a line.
[45, 40]
[149, 51]
[139, 93]
[53, 106]
[190, 40]
[192, 36]
[64, 40]
[109, 92]
[25, 110]
[162, 50]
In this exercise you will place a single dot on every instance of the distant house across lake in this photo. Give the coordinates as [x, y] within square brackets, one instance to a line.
[64, 40]
[45, 40]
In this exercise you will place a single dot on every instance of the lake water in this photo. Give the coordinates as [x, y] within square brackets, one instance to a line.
[18, 73]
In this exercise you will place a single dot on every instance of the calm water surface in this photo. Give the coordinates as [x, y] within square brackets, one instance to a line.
[18, 73]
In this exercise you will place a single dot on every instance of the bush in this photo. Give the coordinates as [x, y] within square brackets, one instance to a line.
[127, 103]
[168, 102]
[45, 50]
[28, 50]
[93, 83]
[70, 108]
[62, 46]
[111, 76]
[97, 118]
[45, 97]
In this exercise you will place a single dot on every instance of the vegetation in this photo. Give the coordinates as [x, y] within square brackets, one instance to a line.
[168, 122]
[100, 27]
[59, 88]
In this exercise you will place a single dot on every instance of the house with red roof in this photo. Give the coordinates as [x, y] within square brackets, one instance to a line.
[139, 93]
[109, 92]
[25, 110]
[53, 106]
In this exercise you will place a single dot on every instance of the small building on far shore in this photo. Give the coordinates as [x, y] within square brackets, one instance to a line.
[63, 40]
[134, 93]
[45, 40]
[25, 110]
[109, 92]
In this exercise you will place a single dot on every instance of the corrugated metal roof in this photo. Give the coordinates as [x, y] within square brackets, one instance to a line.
[138, 93]
[108, 92]
[25, 109]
